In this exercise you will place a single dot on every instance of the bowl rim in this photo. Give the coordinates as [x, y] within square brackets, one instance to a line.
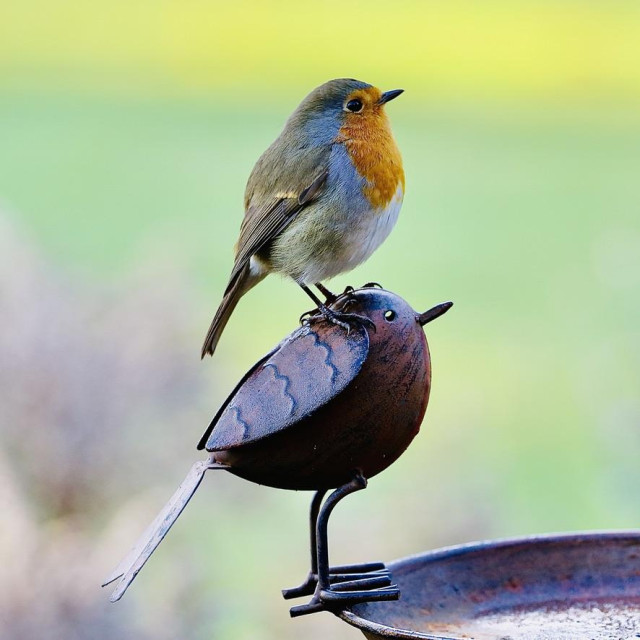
[386, 631]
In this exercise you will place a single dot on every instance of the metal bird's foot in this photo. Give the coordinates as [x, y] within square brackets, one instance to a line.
[337, 587]
[348, 585]
[337, 574]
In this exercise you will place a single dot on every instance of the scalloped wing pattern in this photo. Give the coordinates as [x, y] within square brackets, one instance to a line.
[305, 372]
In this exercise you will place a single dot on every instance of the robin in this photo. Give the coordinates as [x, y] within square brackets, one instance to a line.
[321, 198]
[324, 409]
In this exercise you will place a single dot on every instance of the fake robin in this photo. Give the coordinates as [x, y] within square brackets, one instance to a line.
[326, 408]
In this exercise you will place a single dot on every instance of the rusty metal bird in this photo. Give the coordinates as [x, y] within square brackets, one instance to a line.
[326, 409]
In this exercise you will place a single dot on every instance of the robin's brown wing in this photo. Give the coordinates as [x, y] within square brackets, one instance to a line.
[264, 223]
[281, 184]
[303, 373]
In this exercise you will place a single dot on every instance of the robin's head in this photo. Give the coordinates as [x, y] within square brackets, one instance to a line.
[337, 103]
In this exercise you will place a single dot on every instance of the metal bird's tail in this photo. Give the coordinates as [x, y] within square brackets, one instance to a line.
[147, 543]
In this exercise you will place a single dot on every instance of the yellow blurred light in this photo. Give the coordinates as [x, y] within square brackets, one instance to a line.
[448, 47]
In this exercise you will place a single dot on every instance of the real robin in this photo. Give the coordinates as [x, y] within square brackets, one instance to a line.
[321, 198]
[326, 408]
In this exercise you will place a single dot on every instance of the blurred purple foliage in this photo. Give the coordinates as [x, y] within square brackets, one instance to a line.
[80, 366]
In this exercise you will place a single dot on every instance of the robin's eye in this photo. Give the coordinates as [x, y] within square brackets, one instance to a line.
[355, 105]
[390, 315]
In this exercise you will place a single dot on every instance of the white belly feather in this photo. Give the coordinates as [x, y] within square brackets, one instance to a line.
[324, 242]
[372, 231]
[364, 236]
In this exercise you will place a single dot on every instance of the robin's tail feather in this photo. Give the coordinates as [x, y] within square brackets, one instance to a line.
[244, 281]
[130, 566]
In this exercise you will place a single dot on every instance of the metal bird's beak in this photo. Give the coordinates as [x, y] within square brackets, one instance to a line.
[435, 312]
[387, 96]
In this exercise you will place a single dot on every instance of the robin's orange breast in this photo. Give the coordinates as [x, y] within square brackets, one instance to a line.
[375, 156]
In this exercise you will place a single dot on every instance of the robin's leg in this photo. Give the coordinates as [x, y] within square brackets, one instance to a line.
[329, 296]
[336, 574]
[342, 319]
[353, 587]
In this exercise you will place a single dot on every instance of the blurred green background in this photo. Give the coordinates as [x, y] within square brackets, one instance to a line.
[127, 132]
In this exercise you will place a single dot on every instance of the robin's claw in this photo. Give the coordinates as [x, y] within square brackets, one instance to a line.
[345, 320]
[349, 302]
[348, 298]
[307, 316]
[372, 285]
[332, 316]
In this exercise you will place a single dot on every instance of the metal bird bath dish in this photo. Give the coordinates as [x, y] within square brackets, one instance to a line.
[581, 586]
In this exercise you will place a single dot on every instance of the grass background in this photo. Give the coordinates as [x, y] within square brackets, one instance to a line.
[127, 131]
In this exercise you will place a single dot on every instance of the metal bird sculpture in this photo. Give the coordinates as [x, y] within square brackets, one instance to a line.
[326, 409]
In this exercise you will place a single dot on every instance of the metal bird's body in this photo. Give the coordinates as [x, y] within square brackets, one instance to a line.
[325, 404]
[326, 408]
[322, 197]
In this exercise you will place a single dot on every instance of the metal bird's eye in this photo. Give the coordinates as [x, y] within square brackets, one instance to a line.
[355, 105]
[390, 315]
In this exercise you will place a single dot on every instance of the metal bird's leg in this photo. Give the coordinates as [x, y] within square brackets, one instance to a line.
[336, 574]
[340, 318]
[309, 585]
[338, 587]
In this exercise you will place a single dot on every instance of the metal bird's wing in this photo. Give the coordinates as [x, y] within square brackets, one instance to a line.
[302, 374]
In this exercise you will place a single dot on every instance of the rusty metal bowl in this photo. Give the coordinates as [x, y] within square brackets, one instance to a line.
[580, 586]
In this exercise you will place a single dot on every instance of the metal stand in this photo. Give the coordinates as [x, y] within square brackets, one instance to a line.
[335, 588]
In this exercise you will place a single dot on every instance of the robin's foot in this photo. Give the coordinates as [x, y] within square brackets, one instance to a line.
[304, 318]
[341, 318]
[372, 285]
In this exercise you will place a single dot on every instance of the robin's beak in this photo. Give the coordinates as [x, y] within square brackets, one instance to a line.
[435, 312]
[387, 96]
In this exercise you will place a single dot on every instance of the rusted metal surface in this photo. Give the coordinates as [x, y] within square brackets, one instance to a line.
[560, 587]
[325, 404]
